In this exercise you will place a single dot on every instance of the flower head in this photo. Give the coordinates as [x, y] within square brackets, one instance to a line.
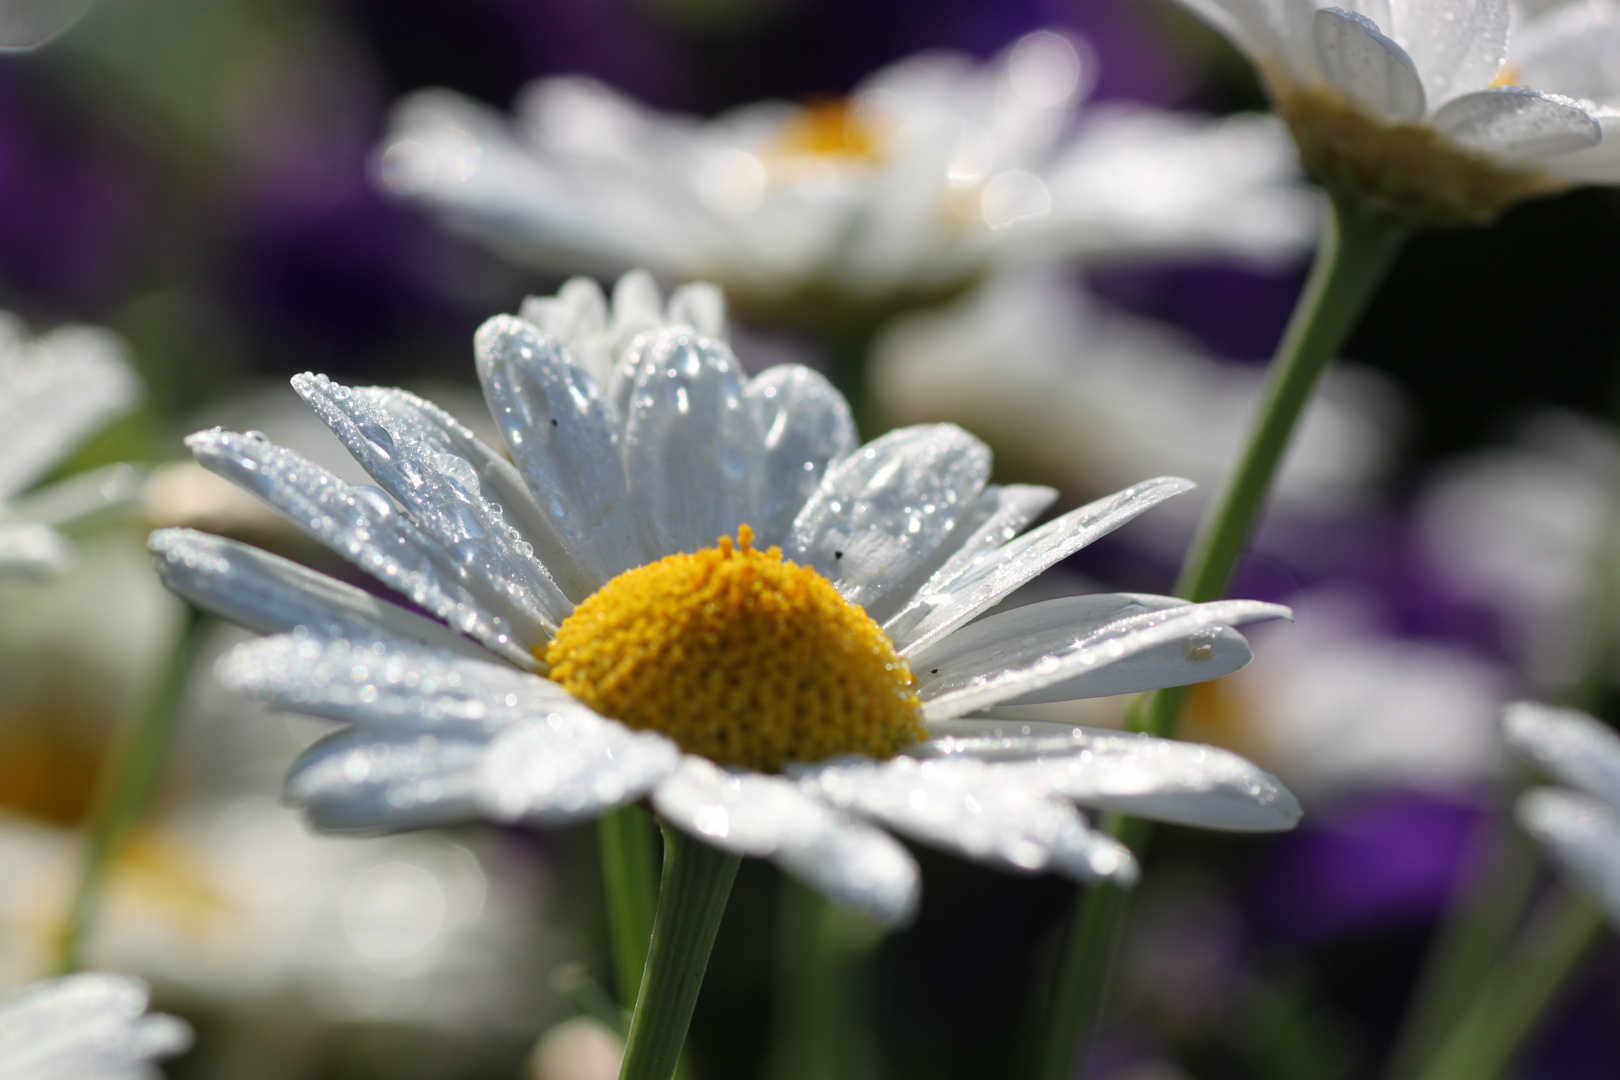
[601, 636]
[1428, 109]
[933, 169]
[54, 391]
[91, 1026]
[1580, 829]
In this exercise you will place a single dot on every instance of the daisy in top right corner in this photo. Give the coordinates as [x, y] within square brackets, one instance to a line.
[1439, 112]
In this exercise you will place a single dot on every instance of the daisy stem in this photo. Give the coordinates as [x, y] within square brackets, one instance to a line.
[1357, 249]
[1516, 993]
[630, 884]
[691, 899]
[127, 775]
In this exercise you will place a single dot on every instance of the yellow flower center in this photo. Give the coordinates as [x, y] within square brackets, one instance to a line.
[826, 129]
[739, 656]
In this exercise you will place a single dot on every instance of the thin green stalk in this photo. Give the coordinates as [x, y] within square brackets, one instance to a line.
[691, 899]
[1473, 933]
[630, 886]
[1516, 994]
[127, 775]
[1357, 249]
[821, 950]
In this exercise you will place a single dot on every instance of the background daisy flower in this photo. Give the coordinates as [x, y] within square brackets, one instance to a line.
[91, 1026]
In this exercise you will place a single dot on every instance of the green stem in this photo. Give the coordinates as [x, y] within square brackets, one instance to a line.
[1357, 249]
[630, 885]
[1083, 968]
[691, 899]
[1516, 994]
[1472, 934]
[131, 766]
[819, 1031]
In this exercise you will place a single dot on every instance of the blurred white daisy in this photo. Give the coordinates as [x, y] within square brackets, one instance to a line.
[933, 169]
[1529, 529]
[766, 707]
[1432, 108]
[1341, 703]
[55, 391]
[28, 24]
[91, 1026]
[1089, 398]
[1579, 828]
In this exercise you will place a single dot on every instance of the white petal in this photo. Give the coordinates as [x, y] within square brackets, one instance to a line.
[1162, 779]
[365, 527]
[445, 438]
[1368, 65]
[271, 595]
[977, 809]
[444, 496]
[1518, 121]
[1583, 835]
[996, 517]
[32, 550]
[882, 511]
[28, 24]
[1017, 638]
[770, 817]
[393, 685]
[567, 766]
[81, 497]
[701, 306]
[371, 781]
[55, 391]
[88, 1026]
[805, 427]
[957, 693]
[564, 437]
[579, 310]
[690, 444]
[1574, 747]
[1574, 50]
[1458, 45]
[998, 571]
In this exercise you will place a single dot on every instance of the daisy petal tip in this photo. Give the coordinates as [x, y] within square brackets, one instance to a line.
[499, 329]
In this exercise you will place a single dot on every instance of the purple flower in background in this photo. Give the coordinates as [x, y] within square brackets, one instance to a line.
[71, 205]
[1375, 860]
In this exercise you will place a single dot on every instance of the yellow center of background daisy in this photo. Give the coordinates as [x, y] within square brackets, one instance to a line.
[739, 656]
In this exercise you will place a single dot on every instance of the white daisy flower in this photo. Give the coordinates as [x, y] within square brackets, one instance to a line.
[1526, 529]
[55, 391]
[91, 1026]
[1091, 398]
[790, 702]
[1579, 828]
[933, 169]
[1431, 108]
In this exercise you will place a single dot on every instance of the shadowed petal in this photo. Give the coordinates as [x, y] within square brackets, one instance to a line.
[1574, 747]
[977, 809]
[756, 814]
[1366, 64]
[1519, 121]
[1582, 835]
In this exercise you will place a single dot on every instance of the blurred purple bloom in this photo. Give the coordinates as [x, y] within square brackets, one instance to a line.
[1375, 860]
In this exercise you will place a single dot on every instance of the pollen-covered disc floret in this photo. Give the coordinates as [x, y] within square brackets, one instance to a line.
[739, 656]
